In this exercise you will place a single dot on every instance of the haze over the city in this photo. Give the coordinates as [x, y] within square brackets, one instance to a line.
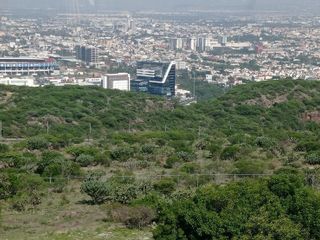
[164, 5]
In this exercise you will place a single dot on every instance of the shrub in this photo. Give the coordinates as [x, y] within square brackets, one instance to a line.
[26, 160]
[133, 217]
[60, 141]
[85, 160]
[76, 151]
[96, 189]
[122, 153]
[186, 156]
[165, 186]
[124, 193]
[190, 168]
[125, 189]
[239, 138]
[250, 209]
[148, 149]
[308, 146]
[4, 148]
[161, 142]
[7, 189]
[313, 158]
[215, 150]
[123, 177]
[64, 168]
[58, 184]
[286, 183]
[249, 167]
[181, 146]
[116, 189]
[54, 164]
[183, 194]
[230, 153]
[20, 203]
[47, 158]
[144, 187]
[140, 217]
[103, 159]
[152, 200]
[51, 155]
[172, 161]
[265, 142]
[23, 189]
[37, 143]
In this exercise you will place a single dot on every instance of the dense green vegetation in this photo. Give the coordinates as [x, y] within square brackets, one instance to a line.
[280, 207]
[134, 159]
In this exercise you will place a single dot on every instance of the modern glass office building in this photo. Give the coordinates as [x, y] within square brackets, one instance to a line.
[156, 78]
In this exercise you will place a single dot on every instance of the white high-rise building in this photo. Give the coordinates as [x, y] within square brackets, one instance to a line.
[176, 43]
[202, 44]
[173, 44]
[119, 81]
[87, 54]
[192, 44]
[179, 43]
[223, 40]
[131, 25]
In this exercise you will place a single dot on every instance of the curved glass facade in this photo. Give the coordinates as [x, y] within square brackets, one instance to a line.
[155, 78]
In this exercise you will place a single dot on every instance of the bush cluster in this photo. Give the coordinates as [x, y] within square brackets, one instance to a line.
[114, 189]
[133, 217]
[280, 208]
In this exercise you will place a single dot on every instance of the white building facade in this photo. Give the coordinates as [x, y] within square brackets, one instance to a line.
[119, 81]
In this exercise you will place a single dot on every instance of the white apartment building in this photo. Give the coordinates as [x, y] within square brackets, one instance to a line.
[119, 81]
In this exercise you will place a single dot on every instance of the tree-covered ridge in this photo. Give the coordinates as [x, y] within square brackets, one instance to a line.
[26, 111]
[259, 106]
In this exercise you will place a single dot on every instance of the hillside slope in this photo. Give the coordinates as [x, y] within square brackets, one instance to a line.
[147, 157]
[275, 117]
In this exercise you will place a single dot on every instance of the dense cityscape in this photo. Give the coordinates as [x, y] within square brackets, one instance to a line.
[83, 48]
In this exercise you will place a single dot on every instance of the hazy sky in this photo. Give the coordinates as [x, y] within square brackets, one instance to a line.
[173, 5]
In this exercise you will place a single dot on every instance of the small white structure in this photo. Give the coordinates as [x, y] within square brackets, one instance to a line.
[18, 81]
[209, 78]
[181, 65]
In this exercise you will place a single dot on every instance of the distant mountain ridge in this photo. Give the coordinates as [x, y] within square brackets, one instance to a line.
[165, 5]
